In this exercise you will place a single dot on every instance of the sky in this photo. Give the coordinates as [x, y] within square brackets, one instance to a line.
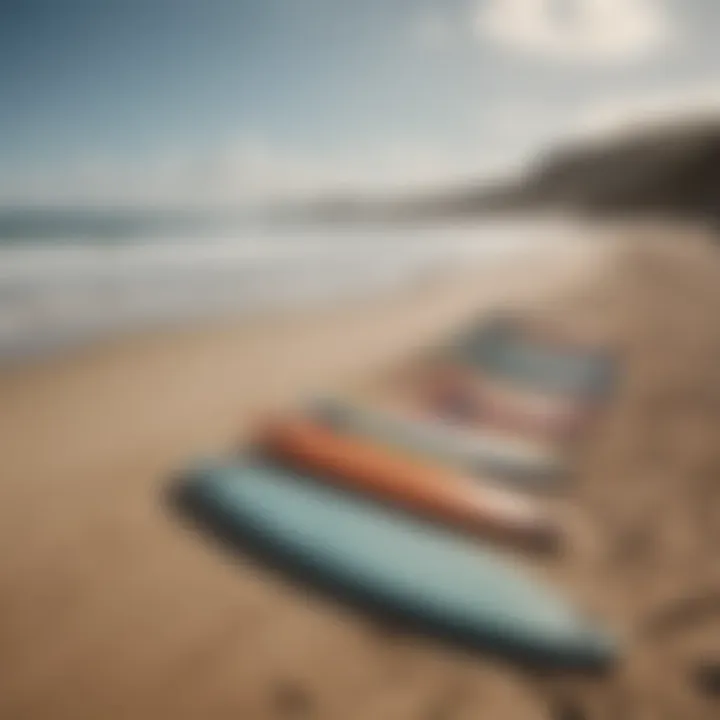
[216, 102]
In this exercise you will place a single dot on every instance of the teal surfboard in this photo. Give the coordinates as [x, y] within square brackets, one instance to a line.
[431, 579]
[500, 348]
[474, 451]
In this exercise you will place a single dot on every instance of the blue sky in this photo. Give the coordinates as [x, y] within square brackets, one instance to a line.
[220, 101]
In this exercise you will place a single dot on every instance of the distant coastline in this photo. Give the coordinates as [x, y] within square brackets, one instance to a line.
[669, 170]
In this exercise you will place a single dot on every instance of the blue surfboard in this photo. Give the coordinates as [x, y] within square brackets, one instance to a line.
[501, 348]
[432, 579]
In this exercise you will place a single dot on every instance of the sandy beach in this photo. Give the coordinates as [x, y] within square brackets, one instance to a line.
[112, 609]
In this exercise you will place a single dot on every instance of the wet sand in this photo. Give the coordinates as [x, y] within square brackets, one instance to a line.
[112, 609]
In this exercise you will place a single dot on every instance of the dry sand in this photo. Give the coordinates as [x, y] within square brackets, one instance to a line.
[112, 610]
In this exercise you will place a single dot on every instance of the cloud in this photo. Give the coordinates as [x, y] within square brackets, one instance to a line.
[595, 32]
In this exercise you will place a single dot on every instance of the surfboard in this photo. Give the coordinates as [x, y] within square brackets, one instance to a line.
[469, 396]
[477, 451]
[415, 485]
[501, 347]
[556, 417]
[388, 563]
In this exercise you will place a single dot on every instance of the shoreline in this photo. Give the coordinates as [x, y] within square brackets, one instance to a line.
[64, 296]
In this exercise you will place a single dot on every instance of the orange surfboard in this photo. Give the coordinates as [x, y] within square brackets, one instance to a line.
[433, 491]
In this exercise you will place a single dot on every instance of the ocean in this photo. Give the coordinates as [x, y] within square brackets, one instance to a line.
[69, 278]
